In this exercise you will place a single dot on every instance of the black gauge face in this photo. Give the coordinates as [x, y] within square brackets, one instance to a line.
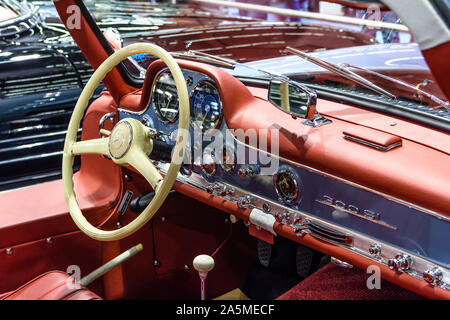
[165, 98]
[228, 159]
[286, 186]
[206, 107]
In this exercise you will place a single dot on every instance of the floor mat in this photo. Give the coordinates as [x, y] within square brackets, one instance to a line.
[336, 283]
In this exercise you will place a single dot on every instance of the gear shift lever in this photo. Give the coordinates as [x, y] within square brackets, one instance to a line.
[203, 264]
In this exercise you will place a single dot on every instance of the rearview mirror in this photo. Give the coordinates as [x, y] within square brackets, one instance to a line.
[293, 98]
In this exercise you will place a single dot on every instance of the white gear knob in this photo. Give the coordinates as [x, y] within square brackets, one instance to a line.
[203, 264]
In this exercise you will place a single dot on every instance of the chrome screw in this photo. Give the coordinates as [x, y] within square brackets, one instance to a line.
[266, 207]
[49, 240]
[156, 263]
[9, 251]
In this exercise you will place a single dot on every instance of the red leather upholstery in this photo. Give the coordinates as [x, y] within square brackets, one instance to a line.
[50, 286]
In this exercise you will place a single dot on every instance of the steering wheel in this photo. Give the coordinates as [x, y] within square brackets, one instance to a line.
[129, 143]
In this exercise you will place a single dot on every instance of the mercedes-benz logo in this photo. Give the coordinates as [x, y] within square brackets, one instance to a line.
[120, 139]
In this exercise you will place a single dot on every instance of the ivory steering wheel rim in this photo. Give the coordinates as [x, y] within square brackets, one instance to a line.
[128, 144]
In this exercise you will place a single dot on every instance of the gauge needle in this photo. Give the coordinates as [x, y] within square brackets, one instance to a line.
[207, 108]
[169, 95]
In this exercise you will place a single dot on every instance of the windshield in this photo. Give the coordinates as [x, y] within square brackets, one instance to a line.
[387, 66]
[17, 17]
[6, 13]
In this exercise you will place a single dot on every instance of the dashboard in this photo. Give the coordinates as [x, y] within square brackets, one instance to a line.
[403, 236]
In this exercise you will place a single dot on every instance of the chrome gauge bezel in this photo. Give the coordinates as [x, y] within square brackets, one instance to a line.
[219, 118]
[294, 199]
[153, 102]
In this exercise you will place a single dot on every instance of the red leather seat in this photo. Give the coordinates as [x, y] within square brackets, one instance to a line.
[50, 286]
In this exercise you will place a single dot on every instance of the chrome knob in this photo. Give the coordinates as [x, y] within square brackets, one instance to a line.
[220, 190]
[433, 276]
[208, 165]
[242, 172]
[210, 189]
[401, 262]
[245, 202]
[375, 249]
[266, 207]
[252, 170]
[248, 171]
[280, 216]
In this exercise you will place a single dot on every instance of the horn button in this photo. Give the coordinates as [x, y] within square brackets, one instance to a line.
[120, 139]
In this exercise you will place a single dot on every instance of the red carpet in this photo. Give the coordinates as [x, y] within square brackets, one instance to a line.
[336, 283]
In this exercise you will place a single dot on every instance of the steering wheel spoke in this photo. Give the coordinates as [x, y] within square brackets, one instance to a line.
[93, 146]
[142, 163]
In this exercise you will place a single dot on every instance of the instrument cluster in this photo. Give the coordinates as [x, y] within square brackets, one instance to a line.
[205, 102]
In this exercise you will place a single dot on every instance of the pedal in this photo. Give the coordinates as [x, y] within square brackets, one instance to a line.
[264, 253]
[303, 261]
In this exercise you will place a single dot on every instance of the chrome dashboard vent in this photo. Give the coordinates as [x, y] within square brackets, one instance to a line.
[329, 235]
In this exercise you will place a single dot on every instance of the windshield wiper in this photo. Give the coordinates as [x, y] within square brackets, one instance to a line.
[205, 58]
[342, 71]
[224, 62]
[440, 102]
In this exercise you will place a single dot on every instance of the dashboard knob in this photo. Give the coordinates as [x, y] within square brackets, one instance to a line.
[375, 249]
[245, 202]
[208, 164]
[220, 189]
[242, 172]
[248, 171]
[280, 216]
[433, 276]
[210, 189]
[401, 262]
[252, 170]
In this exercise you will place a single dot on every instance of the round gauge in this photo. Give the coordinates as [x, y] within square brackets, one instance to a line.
[206, 107]
[228, 158]
[286, 186]
[165, 97]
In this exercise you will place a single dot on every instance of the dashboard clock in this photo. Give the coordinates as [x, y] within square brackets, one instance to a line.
[287, 185]
[206, 106]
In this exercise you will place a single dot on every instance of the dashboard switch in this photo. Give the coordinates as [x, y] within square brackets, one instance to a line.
[220, 190]
[375, 249]
[249, 171]
[245, 202]
[401, 262]
[433, 276]
[210, 189]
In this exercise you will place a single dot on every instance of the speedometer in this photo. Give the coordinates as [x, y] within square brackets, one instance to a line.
[206, 107]
[165, 97]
